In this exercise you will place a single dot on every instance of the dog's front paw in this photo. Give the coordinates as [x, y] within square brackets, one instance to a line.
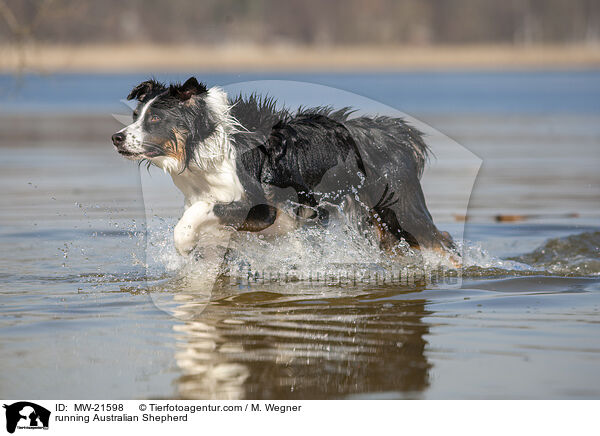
[199, 226]
[185, 238]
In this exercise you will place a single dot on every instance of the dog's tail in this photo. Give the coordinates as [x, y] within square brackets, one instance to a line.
[390, 143]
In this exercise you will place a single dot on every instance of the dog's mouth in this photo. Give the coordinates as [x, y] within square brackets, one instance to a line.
[146, 155]
[125, 153]
[152, 153]
[130, 155]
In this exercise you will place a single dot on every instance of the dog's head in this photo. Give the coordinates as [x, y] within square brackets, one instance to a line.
[170, 123]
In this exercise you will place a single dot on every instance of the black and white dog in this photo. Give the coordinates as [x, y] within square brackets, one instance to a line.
[242, 162]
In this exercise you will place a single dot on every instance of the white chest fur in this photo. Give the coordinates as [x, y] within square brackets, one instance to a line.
[217, 184]
[211, 176]
[203, 188]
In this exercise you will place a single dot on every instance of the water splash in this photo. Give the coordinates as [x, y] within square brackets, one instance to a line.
[341, 253]
[310, 253]
[574, 255]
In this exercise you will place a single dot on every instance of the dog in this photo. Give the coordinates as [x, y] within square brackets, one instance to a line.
[245, 165]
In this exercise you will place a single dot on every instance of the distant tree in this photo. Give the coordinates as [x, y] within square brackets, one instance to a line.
[305, 22]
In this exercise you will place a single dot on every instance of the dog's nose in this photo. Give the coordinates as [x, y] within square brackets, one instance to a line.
[118, 139]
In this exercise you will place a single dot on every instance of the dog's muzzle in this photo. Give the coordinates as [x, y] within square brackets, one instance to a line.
[118, 140]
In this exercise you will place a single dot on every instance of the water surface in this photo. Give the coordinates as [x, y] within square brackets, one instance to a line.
[95, 305]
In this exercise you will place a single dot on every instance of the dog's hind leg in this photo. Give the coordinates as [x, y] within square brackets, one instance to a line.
[386, 223]
[404, 216]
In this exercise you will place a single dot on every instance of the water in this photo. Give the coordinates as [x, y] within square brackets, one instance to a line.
[95, 304]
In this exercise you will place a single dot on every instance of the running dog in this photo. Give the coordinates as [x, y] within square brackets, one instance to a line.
[241, 162]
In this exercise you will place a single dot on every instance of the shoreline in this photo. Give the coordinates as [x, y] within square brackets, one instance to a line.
[251, 58]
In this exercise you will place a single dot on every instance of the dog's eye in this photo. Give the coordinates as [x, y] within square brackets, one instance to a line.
[154, 118]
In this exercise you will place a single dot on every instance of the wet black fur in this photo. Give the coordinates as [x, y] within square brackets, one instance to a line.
[296, 150]
[308, 156]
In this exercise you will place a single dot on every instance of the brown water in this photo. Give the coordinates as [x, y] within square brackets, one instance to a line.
[92, 306]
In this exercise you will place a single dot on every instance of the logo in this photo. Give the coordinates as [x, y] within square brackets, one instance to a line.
[26, 415]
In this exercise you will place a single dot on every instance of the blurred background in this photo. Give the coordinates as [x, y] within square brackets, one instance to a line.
[296, 34]
[302, 22]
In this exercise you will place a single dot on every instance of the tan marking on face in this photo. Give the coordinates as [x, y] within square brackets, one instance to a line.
[176, 148]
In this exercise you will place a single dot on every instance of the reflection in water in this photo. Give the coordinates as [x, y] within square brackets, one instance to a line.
[287, 342]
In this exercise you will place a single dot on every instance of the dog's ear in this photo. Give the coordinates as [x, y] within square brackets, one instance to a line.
[186, 91]
[145, 89]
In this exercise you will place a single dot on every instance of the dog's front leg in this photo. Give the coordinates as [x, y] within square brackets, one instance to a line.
[199, 226]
